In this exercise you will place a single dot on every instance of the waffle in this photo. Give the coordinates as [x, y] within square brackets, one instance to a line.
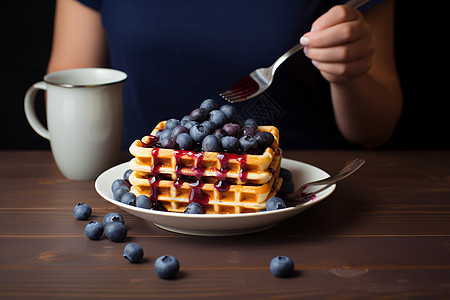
[240, 169]
[220, 182]
[176, 196]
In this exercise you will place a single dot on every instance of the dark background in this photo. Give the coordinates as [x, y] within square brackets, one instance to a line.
[26, 32]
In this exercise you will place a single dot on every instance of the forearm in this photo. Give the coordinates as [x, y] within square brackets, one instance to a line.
[366, 109]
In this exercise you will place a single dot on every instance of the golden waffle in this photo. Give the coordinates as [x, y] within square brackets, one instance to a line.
[176, 196]
[240, 169]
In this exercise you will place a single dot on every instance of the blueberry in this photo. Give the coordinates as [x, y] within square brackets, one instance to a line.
[248, 143]
[193, 208]
[172, 123]
[118, 192]
[118, 183]
[127, 174]
[211, 143]
[220, 133]
[177, 130]
[157, 205]
[133, 252]
[285, 174]
[185, 118]
[251, 122]
[264, 139]
[165, 134]
[143, 201]
[169, 143]
[231, 144]
[210, 125]
[229, 111]
[232, 129]
[185, 141]
[113, 217]
[82, 211]
[158, 133]
[218, 117]
[128, 198]
[167, 266]
[250, 130]
[199, 114]
[287, 187]
[93, 230]
[282, 266]
[275, 203]
[189, 124]
[116, 231]
[209, 105]
[198, 132]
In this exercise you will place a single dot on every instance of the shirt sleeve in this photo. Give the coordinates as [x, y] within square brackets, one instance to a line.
[94, 4]
[366, 6]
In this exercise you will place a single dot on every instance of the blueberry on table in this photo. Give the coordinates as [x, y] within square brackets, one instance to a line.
[209, 105]
[82, 211]
[128, 198]
[116, 231]
[93, 230]
[133, 252]
[143, 201]
[275, 203]
[113, 217]
[193, 208]
[211, 143]
[167, 266]
[282, 266]
[218, 117]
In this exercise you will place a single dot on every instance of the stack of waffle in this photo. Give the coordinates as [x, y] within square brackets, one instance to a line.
[221, 182]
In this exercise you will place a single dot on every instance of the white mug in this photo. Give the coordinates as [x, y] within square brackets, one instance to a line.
[84, 110]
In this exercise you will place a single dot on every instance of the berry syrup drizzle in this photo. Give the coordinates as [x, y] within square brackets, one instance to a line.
[196, 194]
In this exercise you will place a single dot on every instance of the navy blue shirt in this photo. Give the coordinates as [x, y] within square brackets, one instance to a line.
[178, 53]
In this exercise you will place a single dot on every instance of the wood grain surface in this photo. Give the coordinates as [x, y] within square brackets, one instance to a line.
[383, 234]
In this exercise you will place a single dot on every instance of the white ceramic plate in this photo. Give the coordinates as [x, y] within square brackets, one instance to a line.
[219, 225]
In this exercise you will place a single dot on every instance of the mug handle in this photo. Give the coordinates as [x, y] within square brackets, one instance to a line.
[30, 111]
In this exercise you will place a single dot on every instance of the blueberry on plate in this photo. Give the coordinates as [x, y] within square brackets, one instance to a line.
[82, 211]
[185, 141]
[287, 187]
[93, 230]
[167, 266]
[116, 231]
[120, 191]
[143, 201]
[211, 143]
[209, 105]
[218, 117]
[127, 174]
[128, 198]
[275, 203]
[113, 217]
[285, 174]
[118, 183]
[133, 252]
[193, 208]
[282, 266]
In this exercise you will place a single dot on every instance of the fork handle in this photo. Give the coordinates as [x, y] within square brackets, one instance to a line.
[298, 47]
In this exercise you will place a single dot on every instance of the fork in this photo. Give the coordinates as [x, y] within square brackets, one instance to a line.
[259, 80]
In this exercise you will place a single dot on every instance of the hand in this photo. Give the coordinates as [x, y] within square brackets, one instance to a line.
[339, 44]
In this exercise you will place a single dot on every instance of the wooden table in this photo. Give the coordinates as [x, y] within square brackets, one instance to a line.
[384, 233]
